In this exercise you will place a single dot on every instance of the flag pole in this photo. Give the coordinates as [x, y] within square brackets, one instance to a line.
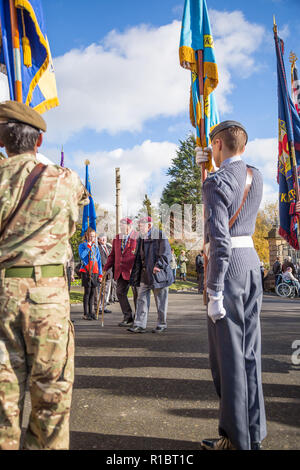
[291, 143]
[118, 200]
[16, 50]
[202, 139]
[201, 96]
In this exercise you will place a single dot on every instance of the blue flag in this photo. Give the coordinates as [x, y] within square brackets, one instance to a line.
[89, 213]
[31, 63]
[196, 35]
[288, 155]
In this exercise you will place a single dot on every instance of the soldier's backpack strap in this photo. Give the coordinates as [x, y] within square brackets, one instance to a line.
[249, 179]
[29, 183]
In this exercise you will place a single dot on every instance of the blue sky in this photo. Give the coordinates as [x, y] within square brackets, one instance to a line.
[124, 97]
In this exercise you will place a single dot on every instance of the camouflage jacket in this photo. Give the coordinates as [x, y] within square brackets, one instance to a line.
[40, 232]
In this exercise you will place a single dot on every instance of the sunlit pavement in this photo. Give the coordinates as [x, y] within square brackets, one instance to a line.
[154, 392]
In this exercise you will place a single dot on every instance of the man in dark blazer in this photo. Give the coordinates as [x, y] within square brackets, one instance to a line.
[121, 258]
[151, 272]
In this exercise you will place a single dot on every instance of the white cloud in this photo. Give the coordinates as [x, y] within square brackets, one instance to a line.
[140, 167]
[143, 171]
[236, 41]
[263, 154]
[131, 77]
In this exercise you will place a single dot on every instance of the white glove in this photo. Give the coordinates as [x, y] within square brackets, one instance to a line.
[203, 155]
[216, 311]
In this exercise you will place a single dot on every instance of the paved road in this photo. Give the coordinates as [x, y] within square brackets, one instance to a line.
[154, 392]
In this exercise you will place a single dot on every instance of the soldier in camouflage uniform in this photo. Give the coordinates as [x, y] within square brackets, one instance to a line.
[36, 335]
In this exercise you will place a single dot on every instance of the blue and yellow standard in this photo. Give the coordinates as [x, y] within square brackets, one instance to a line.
[196, 36]
[26, 54]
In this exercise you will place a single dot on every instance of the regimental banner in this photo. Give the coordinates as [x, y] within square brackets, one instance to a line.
[295, 83]
[196, 35]
[26, 54]
[288, 153]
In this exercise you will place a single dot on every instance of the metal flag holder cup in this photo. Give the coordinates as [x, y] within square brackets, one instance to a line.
[102, 291]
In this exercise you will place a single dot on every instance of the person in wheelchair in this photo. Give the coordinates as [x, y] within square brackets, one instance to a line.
[288, 277]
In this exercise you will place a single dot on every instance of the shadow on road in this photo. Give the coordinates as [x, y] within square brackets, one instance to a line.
[94, 441]
[131, 362]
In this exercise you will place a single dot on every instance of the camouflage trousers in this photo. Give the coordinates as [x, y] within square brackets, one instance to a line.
[36, 348]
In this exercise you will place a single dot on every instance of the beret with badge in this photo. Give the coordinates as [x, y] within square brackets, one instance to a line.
[225, 125]
[13, 111]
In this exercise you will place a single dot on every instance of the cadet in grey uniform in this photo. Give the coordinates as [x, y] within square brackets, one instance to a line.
[232, 197]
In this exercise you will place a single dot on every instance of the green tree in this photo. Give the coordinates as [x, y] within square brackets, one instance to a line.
[75, 241]
[184, 186]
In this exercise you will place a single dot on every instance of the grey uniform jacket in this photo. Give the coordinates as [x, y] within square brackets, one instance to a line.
[222, 196]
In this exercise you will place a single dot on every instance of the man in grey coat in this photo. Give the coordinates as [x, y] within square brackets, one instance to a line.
[151, 272]
[232, 197]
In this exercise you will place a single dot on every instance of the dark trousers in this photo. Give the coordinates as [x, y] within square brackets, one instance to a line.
[122, 292]
[200, 281]
[88, 300]
[235, 359]
[90, 284]
[69, 276]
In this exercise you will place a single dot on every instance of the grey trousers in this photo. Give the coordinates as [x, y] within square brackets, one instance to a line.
[235, 359]
[143, 305]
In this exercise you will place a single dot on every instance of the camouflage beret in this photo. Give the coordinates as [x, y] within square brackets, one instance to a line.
[225, 125]
[13, 111]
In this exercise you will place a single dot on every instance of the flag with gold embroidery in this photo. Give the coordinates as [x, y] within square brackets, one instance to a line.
[295, 83]
[26, 54]
[288, 155]
[196, 35]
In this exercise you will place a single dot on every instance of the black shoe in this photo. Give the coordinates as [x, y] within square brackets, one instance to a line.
[159, 329]
[255, 445]
[137, 329]
[91, 317]
[126, 322]
[107, 311]
[222, 443]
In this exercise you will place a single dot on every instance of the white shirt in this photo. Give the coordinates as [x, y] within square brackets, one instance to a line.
[229, 160]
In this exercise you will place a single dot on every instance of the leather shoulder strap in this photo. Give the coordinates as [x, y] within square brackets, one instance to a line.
[249, 179]
[29, 183]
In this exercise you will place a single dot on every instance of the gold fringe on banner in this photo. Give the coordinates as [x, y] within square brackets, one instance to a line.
[27, 56]
[212, 79]
[187, 54]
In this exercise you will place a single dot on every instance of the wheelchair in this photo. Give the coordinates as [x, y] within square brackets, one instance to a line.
[285, 288]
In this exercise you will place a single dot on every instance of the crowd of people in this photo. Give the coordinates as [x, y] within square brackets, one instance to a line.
[142, 260]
